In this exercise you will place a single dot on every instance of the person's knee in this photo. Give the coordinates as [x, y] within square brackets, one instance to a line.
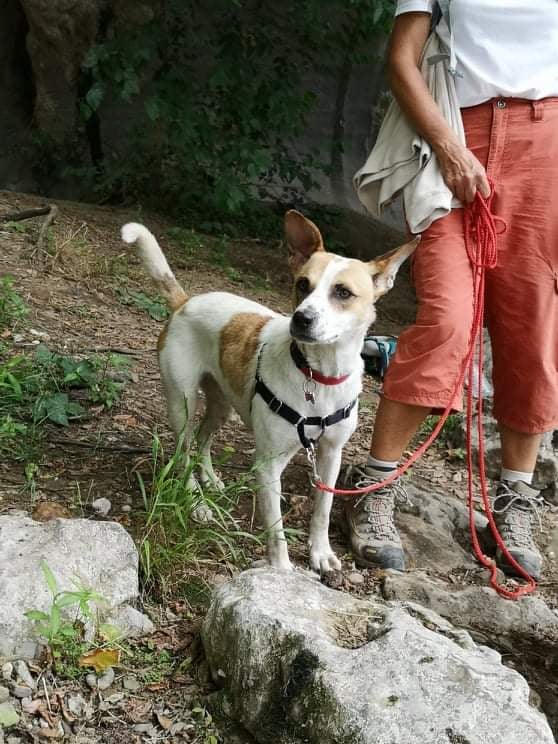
[449, 335]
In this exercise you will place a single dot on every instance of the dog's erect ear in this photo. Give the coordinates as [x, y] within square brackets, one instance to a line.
[303, 239]
[384, 268]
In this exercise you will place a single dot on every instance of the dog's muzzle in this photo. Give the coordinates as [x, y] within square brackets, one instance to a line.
[302, 323]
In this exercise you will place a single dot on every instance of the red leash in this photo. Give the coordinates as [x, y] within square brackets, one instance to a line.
[481, 244]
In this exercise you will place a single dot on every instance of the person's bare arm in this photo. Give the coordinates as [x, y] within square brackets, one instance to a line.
[461, 170]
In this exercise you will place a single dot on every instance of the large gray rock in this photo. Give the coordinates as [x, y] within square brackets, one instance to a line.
[299, 662]
[479, 609]
[100, 555]
[434, 528]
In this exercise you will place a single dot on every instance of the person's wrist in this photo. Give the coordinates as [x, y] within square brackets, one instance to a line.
[446, 146]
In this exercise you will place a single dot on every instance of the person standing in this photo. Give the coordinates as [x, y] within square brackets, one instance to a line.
[507, 86]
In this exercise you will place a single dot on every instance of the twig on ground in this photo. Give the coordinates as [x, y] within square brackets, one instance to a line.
[51, 216]
[119, 350]
[46, 696]
[93, 445]
[26, 214]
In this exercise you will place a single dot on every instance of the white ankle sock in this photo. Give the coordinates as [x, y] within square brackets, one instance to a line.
[515, 475]
[385, 466]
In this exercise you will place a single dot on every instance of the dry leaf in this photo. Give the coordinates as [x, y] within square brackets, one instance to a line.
[138, 711]
[49, 733]
[32, 707]
[100, 659]
[157, 686]
[164, 722]
[126, 420]
[47, 510]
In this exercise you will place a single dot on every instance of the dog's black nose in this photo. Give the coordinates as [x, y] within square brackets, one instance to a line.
[302, 320]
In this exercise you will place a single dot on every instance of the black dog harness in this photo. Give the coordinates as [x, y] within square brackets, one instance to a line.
[293, 417]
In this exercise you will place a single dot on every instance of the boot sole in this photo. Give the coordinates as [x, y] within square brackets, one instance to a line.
[394, 557]
[533, 570]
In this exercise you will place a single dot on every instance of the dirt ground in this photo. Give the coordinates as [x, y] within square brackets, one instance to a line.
[71, 287]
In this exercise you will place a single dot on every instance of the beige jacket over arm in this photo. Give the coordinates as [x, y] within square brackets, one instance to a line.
[402, 161]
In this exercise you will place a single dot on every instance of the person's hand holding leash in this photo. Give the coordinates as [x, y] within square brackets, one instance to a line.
[462, 171]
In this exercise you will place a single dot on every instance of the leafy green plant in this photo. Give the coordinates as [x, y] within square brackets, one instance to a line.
[18, 227]
[12, 305]
[154, 307]
[451, 433]
[64, 637]
[36, 389]
[174, 537]
[205, 725]
[151, 663]
[226, 101]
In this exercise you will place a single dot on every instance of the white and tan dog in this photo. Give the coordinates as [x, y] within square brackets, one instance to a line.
[221, 343]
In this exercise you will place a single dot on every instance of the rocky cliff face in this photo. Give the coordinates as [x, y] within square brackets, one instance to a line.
[42, 47]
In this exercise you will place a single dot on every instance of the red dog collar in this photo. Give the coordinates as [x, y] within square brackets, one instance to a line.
[312, 374]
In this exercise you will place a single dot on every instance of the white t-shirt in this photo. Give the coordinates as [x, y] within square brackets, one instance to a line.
[504, 48]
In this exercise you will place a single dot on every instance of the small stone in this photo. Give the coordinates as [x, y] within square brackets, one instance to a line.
[145, 728]
[106, 679]
[23, 674]
[8, 715]
[13, 740]
[91, 680]
[18, 338]
[76, 705]
[355, 578]
[131, 684]
[101, 506]
[115, 698]
[21, 692]
[333, 579]
[126, 508]
[7, 670]
[4, 694]
[39, 334]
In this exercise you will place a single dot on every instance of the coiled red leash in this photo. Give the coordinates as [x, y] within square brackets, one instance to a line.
[481, 244]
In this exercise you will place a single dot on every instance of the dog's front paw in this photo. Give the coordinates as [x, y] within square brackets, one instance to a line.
[212, 482]
[202, 513]
[323, 559]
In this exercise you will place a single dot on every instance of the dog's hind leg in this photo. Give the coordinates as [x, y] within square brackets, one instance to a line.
[217, 411]
[182, 404]
[182, 401]
[322, 557]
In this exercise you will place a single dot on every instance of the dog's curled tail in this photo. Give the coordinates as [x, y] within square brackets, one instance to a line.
[155, 263]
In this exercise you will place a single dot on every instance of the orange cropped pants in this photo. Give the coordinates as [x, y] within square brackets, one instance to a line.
[517, 142]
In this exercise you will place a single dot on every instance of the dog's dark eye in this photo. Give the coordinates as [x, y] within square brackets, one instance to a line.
[342, 293]
[303, 286]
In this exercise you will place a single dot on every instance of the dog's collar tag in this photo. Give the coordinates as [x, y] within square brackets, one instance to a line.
[309, 386]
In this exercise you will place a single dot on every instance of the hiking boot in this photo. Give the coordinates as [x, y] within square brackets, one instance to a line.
[372, 531]
[514, 507]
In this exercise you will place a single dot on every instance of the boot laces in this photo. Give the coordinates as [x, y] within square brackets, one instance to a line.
[379, 505]
[517, 511]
